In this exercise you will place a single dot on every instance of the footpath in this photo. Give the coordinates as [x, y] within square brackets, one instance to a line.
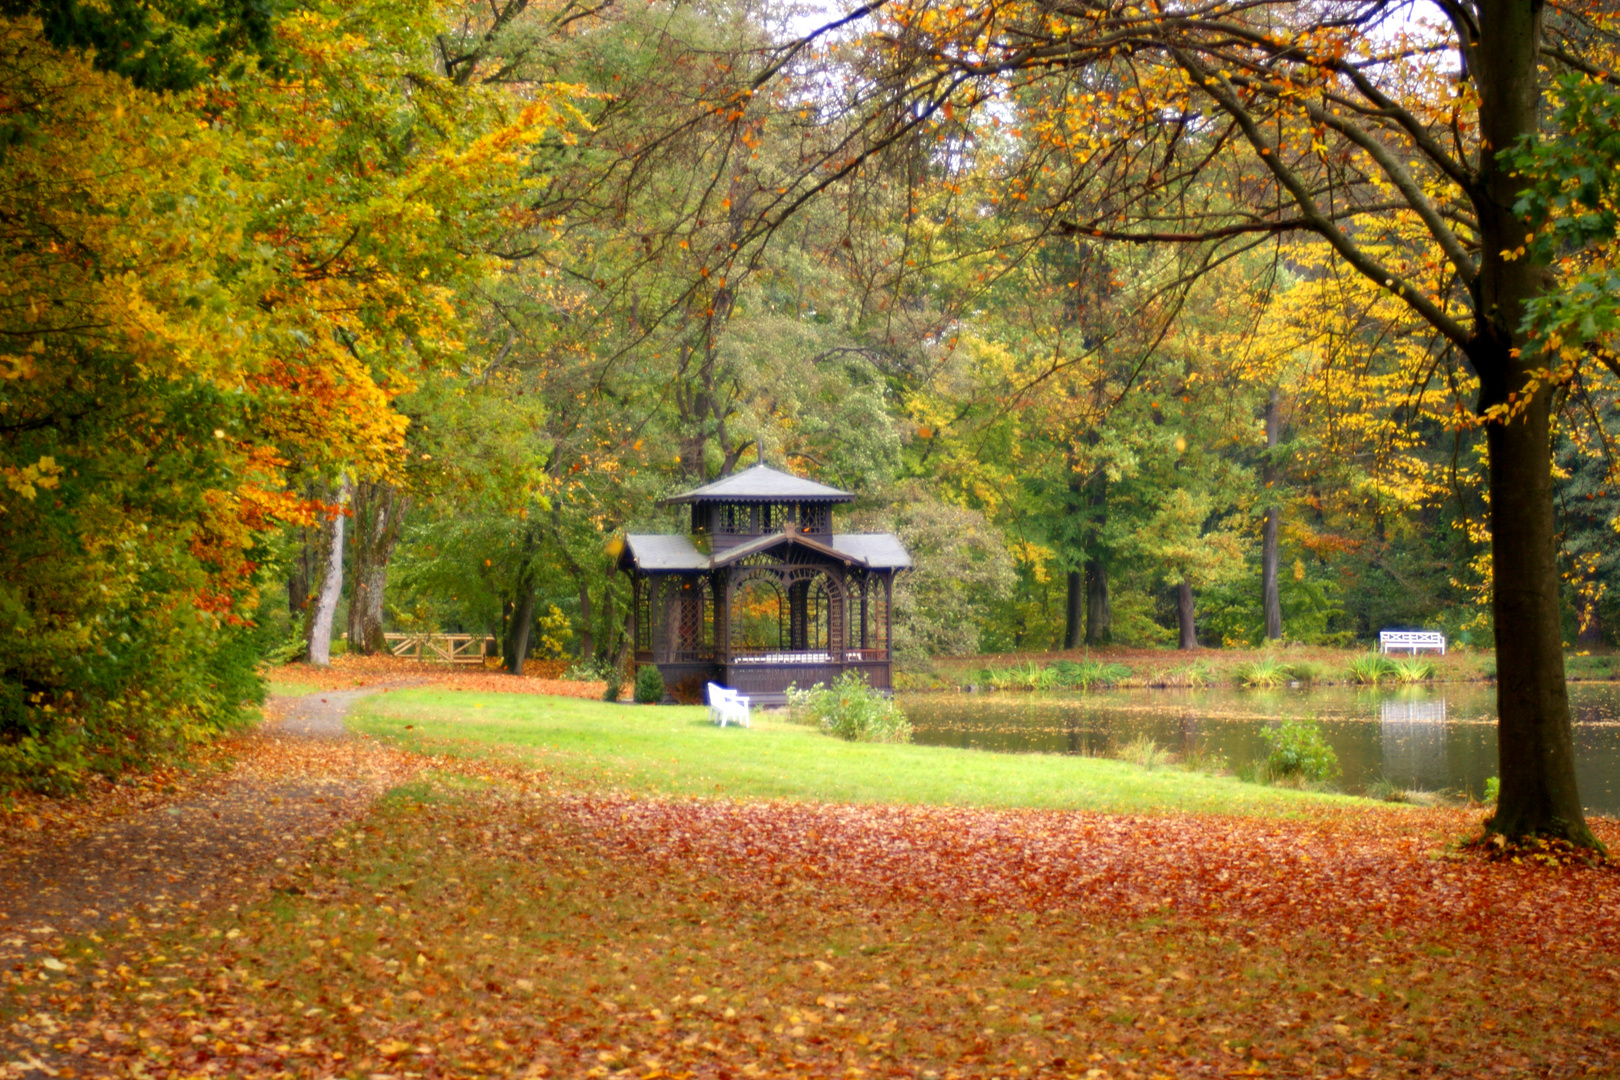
[297, 778]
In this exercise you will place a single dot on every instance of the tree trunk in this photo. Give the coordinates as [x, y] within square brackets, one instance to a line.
[303, 573]
[1074, 628]
[587, 634]
[1535, 740]
[1099, 616]
[1184, 615]
[519, 627]
[331, 584]
[379, 511]
[1270, 599]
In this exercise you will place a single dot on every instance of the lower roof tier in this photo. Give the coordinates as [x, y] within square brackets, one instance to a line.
[660, 553]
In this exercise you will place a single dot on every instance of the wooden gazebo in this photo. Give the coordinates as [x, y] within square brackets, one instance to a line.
[762, 594]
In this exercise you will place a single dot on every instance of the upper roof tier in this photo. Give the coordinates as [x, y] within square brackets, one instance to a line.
[761, 484]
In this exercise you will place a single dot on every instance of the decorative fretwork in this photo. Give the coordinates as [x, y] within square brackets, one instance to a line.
[685, 619]
[815, 518]
[644, 617]
[761, 558]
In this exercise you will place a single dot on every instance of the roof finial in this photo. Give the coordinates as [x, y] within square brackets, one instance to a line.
[759, 448]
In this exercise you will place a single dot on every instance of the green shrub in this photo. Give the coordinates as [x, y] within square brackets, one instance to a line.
[1415, 670]
[1204, 761]
[849, 709]
[614, 680]
[1385, 790]
[1087, 674]
[1143, 751]
[1371, 668]
[1265, 674]
[649, 685]
[1493, 788]
[1304, 671]
[1298, 751]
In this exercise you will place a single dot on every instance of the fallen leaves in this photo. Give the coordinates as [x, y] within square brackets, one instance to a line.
[491, 919]
[490, 923]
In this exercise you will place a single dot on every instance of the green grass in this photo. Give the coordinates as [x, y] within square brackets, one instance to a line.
[674, 750]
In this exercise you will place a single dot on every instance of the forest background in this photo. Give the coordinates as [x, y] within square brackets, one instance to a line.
[435, 301]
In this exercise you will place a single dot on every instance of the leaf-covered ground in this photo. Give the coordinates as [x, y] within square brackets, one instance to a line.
[495, 923]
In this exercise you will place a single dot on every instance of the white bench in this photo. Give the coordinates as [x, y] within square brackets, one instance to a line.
[727, 706]
[1390, 640]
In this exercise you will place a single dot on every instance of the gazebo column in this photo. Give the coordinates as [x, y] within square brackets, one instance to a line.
[888, 616]
[798, 615]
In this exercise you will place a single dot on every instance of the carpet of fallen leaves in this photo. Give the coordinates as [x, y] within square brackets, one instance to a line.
[352, 671]
[483, 921]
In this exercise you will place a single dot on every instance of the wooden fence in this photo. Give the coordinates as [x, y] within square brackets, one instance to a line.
[441, 648]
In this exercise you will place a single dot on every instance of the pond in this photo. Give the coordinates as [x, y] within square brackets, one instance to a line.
[1439, 738]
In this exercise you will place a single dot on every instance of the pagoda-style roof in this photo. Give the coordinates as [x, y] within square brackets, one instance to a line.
[660, 553]
[761, 484]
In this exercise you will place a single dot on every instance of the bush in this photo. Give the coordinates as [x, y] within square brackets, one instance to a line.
[649, 685]
[1143, 751]
[1371, 668]
[1415, 670]
[614, 680]
[1087, 675]
[1265, 674]
[1493, 788]
[1298, 751]
[850, 710]
[588, 670]
[1305, 671]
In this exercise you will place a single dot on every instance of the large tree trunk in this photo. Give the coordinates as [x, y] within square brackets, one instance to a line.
[1270, 598]
[1099, 616]
[1185, 615]
[379, 510]
[1074, 619]
[515, 641]
[1535, 741]
[330, 588]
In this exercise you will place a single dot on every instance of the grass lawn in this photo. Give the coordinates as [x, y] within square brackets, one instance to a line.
[674, 750]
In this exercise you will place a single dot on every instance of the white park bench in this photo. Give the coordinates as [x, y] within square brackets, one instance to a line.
[727, 706]
[1390, 640]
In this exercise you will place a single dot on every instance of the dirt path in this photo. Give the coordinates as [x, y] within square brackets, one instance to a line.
[298, 778]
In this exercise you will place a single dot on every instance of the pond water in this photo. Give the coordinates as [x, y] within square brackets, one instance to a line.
[1440, 738]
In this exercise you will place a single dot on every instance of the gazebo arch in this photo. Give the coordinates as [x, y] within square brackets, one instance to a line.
[763, 594]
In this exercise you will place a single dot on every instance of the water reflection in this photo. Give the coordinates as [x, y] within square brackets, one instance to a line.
[1432, 739]
[1412, 743]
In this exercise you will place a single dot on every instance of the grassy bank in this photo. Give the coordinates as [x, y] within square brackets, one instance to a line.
[674, 750]
[1139, 668]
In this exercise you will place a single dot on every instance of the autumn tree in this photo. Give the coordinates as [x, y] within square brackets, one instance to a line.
[1226, 124]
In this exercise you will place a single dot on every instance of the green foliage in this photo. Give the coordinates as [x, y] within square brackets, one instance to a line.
[1304, 671]
[613, 684]
[1266, 673]
[1493, 788]
[1144, 751]
[1412, 670]
[1087, 674]
[1298, 751]
[1059, 675]
[1371, 669]
[1204, 761]
[850, 710]
[649, 685]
